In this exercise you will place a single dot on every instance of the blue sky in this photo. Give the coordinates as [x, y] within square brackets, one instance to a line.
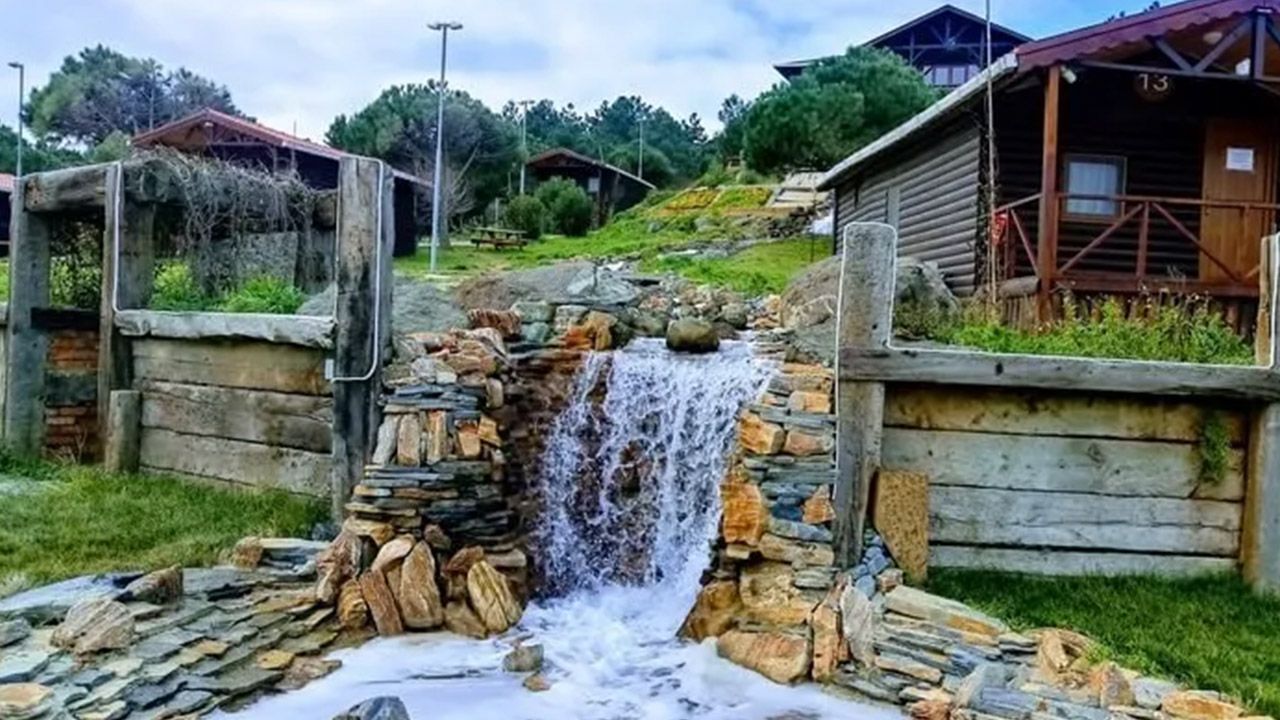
[305, 61]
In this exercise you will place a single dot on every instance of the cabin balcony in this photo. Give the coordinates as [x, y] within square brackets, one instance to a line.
[1132, 244]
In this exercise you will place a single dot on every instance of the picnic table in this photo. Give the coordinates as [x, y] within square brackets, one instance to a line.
[498, 238]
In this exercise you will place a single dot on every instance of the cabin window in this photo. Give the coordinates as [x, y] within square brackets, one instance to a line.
[593, 185]
[1091, 180]
[893, 206]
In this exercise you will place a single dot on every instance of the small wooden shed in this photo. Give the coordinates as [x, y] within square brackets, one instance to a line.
[613, 188]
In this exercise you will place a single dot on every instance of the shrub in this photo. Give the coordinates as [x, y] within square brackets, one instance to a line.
[526, 214]
[176, 289]
[570, 207]
[263, 294]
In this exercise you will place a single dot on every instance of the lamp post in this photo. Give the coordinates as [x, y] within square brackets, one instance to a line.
[640, 162]
[443, 28]
[524, 140]
[22, 91]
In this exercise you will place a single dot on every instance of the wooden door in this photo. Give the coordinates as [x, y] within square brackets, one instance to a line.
[1239, 166]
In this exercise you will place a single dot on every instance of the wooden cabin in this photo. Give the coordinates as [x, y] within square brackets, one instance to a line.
[947, 45]
[7, 183]
[612, 188]
[238, 140]
[1132, 156]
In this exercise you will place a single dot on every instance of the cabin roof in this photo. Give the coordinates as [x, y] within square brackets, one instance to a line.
[1101, 40]
[187, 134]
[543, 158]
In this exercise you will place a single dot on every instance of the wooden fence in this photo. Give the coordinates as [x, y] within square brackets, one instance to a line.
[1055, 465]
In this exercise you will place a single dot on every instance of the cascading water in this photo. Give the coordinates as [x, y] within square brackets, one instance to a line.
[629, 490]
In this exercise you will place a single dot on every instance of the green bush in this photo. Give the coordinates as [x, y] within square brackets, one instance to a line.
[176, 289]
[570, 207]
[526, 214]
[263, 294]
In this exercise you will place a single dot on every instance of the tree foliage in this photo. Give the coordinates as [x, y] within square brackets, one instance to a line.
[481, 151]
[100, 92]
[36, 157]
[837, 106]
[570, 208]
[527, 214]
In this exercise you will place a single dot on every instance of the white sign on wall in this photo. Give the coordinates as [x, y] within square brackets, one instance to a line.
[1240, 159]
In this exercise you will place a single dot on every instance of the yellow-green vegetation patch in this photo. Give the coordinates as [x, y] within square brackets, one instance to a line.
[1209, 633]
[758, 270]
[61, 521]
[695, 199]
[742, 198]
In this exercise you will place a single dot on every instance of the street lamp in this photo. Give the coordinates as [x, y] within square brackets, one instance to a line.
[640, 162]
[524, 140]
[22, 91]
[443, 28]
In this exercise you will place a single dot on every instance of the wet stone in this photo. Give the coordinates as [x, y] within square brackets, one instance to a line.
[90, 677]
[240, 681]
[23, 665]
[150, 695]
[799, 531]
[13, 631]
[155, 649]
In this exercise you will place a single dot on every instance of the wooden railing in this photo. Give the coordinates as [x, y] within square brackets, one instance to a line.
[1017, 248]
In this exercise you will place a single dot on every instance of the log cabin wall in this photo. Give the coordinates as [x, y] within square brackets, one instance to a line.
[1163, 145]
[245, 412]
[1067, 483]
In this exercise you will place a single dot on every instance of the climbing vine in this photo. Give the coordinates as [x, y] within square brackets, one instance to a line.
[1215, 448]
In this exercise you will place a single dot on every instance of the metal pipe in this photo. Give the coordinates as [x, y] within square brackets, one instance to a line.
[443, 28]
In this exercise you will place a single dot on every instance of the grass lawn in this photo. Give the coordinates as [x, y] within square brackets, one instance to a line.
[758, 270]
[60, 521]
[1210, 633]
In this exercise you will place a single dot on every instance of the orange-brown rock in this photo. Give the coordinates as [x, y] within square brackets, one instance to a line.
[829, 648]
[247, 553]
[818, 509]
[712, 615]
[379, 532]
[1059, 653]
[768, 595]
[760, 437]
[781, 658]
[1110, 686]
[382, 604]
[858, 625]
[935, 705]
[409, 441]
[436, 436]
[796, 553]
[902, 517]
[392, 553]
[505, 322]
[418, 593]
[353, 611]
[1199, 706]
[337, 564]
[745, 516]
[491, 597]
[803, 444]
[455, 571]
[809, 402]
[460, 619]
[468, 440]
[488, 429]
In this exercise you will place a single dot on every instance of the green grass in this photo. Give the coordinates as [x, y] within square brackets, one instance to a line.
[1208, 633]
[78, 520]
[4, 280]
[758, 270]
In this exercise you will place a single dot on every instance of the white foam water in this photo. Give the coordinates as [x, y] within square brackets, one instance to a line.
[629, 489]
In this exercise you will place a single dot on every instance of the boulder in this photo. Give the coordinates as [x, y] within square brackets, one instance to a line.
[337, 564]
[829, 648]
[759, 437]
[858, 624]
[353, 611]
[523, 658]
[1200, 706]
[409, 440]
[93, 625]
[247, 554]
[713, 612]
[769, 595]
[744, 515]
[418, 594]
[534, 311]
[26, 701]
[735, 315]
[460, 619]
[390, 555]
[941, 611]
[381, 603]
[803, 444]
[381, 708]
[506, 322]
[379, 532]
[158, 588]
[13, 631]
[1110, 685]
[781, 658]
[491, 597]
[692, 336]
[536, 683]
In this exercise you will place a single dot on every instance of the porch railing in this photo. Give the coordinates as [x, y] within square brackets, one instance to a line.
[1018, 247]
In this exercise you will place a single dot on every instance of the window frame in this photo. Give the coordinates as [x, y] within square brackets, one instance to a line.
[1120, 162]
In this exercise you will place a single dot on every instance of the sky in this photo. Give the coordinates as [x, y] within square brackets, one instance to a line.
[299, 63]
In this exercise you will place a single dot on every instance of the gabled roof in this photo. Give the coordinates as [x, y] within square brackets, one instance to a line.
[7, 182]
[1131, 29]
[996, 29]
[579, 157]
[179, 134]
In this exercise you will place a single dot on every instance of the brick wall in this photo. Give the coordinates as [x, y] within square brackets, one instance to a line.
[71, 409]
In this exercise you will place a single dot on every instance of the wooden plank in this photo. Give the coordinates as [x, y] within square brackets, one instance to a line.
[1047, 243]
[247, 365]
[1095, 466]
[303, 330]
[1056, 413]
[28, 346]
[304, 422]
[973, 516]
[295, 471]
[363, 315]
[1264, 330]
[1129, 377]
[74, 188]
[1053, 562]
[122, 442]
[864, 319]
[1261, 553]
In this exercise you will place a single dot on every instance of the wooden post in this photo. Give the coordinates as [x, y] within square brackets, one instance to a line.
[1260, 539]
[137, 275]
[865, 318]
[123, 429]
[355, 400]
[1047, 244]
[28, 347]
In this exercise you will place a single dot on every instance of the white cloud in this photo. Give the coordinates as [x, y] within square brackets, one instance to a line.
[306, 61]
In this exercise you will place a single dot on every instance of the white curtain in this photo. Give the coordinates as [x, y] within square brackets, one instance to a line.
[1092, 177]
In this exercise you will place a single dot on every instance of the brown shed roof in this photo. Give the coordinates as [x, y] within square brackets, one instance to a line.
[542, 158]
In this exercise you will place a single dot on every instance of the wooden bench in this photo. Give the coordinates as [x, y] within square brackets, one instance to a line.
[499, 238]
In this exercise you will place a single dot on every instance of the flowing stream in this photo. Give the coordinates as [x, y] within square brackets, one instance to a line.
[629, 490]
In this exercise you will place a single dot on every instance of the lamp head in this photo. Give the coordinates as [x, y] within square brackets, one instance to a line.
[445, 26]
[16, 65]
